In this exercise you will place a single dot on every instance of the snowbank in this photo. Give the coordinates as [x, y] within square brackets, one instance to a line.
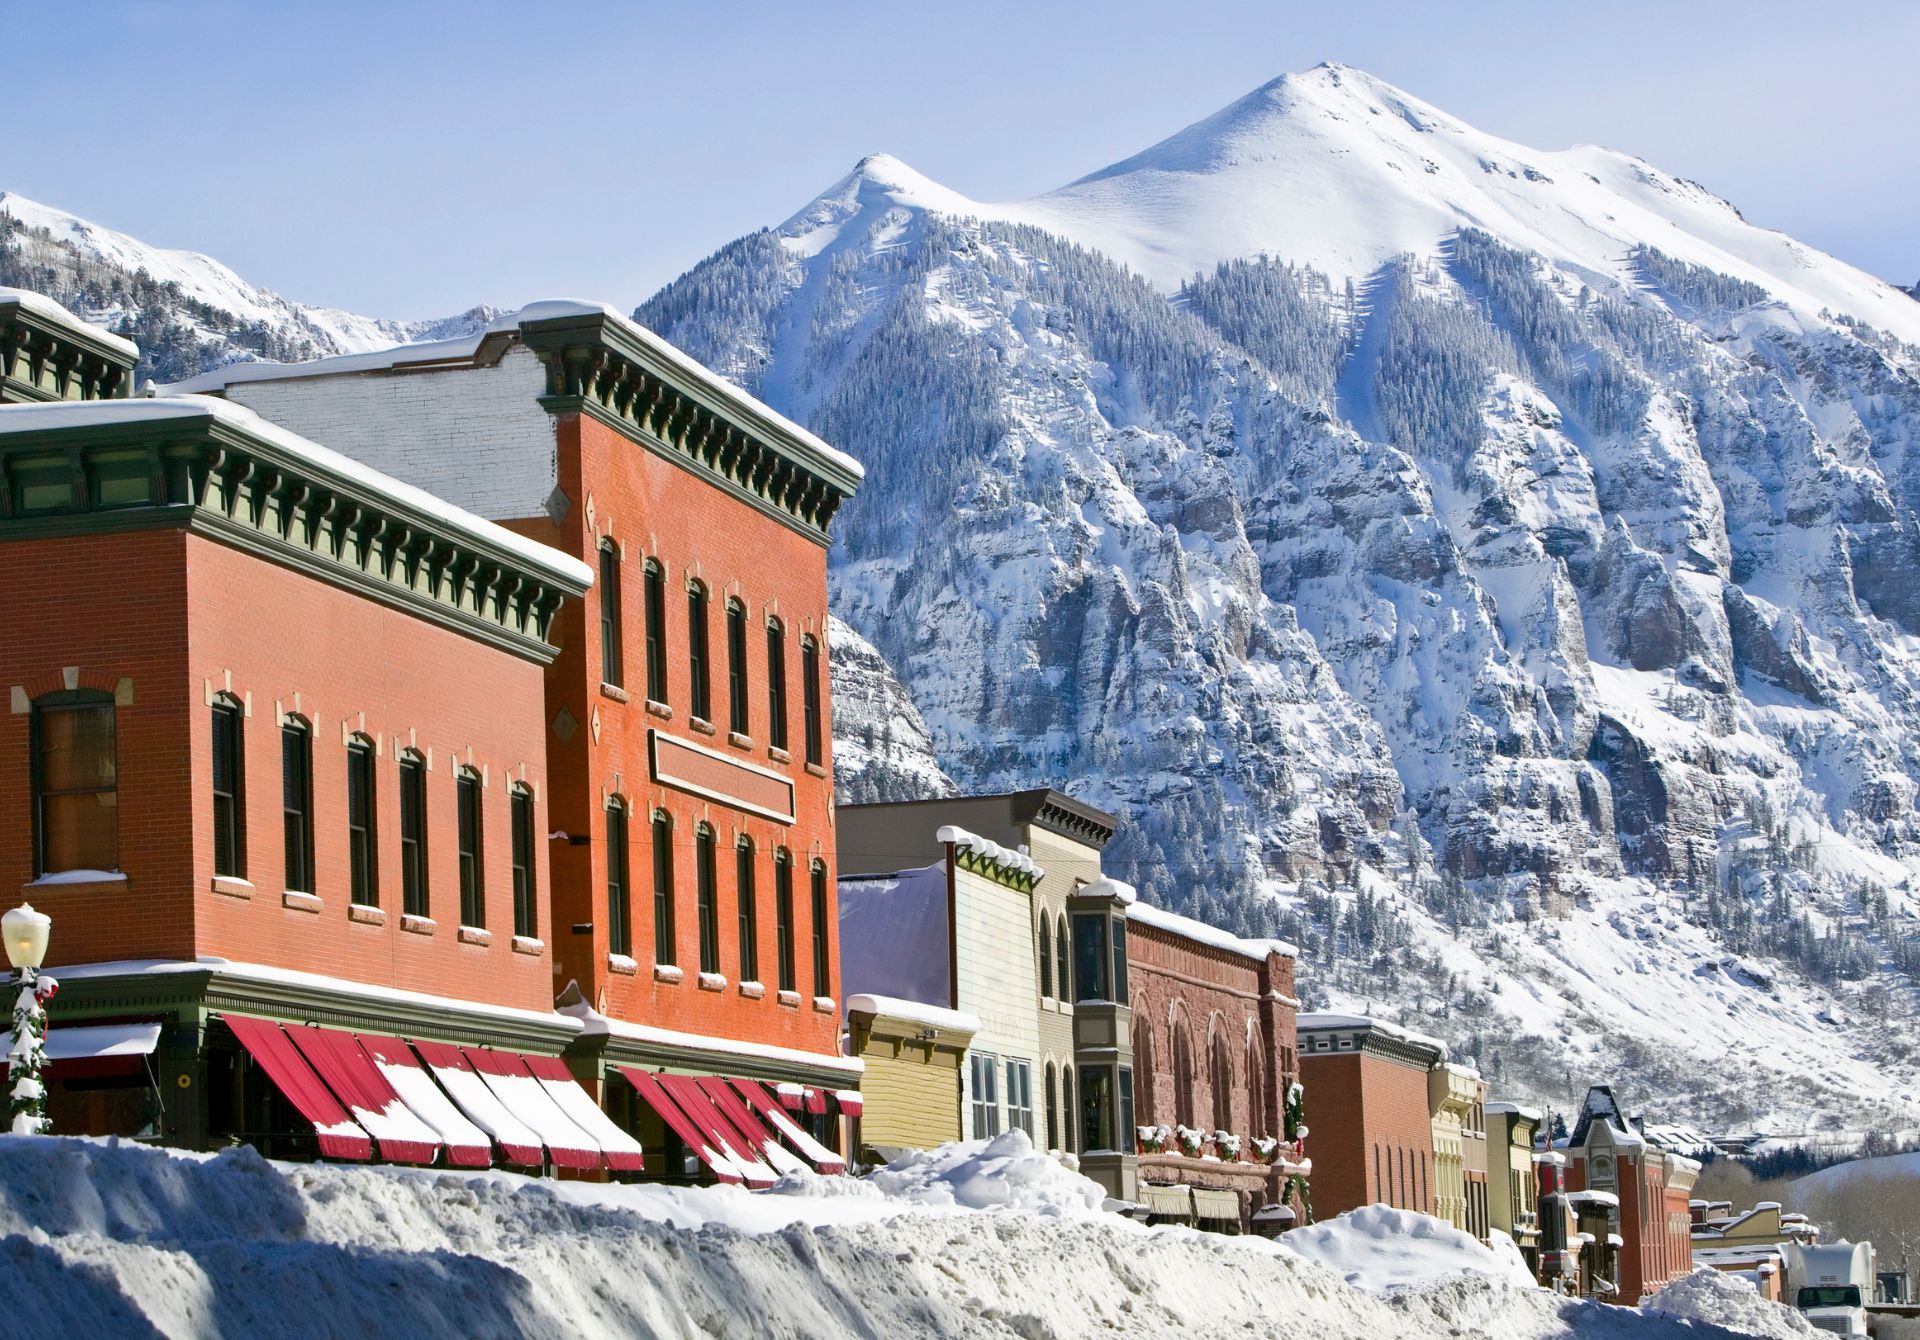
[1004, 1173]
[108, 1239]
[1730, 1301]
[1381, 1249]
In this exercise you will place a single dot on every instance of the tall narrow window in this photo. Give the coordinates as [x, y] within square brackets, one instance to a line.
[619, 919]
[296, 803]
[985, 1099]
[610, 614]
[229, 792]
[699, 674]
[473, 867]
[76, 798]
[704, 895]
[738, 718]
[526, 889]
[413, 835]
[749, 906]
[1124, 1133]
[1053, 1107]
[776, 684]
[663, 931]
[1090, 958]
[655, 581]
[1020, 1096]
[822, 968]
[810, 699]
[363, 861]
[1067, 1118]
[1118, 995]
[1096, 1108]
[1046, 957]
[1062, 984]
[783, 920]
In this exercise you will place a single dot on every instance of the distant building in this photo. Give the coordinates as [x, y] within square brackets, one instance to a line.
[1367, 1088]
[1751, 1244]
[1608, 1154]
[1456, 1103]
[1512, 1187]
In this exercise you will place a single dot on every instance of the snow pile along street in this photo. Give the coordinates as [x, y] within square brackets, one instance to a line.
[122, 1240]
[1382, 1249]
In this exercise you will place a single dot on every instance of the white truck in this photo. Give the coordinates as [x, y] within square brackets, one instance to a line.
[1832, 1284]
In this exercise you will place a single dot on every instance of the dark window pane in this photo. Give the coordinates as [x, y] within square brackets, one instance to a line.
[1119, 993]
[1126, 1132]
[610, 616]
[745, 895]
[783, 921]
[619, 933]
[1090, 957]
[1062, 983]
[699, 677]
[656, 633]
[526, 920]
[776, 685]
[296, 802]
[1096, 1108]
[708, 910]
[473, 892]
[822, 976]
[229, 815]
[737, 666]
[362, 858]
[810, 698]
[663, 919]
[413, 836]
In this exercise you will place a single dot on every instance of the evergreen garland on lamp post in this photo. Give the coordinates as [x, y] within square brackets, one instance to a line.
[25, 931]
[1295, 1130]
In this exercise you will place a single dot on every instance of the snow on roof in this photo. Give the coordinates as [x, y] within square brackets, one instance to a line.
[1606, 1198]
[990, 851]
[1515, 1109]
[1324, 1021]
[451, 351]
[913, 1011]
[107, 413]
[1175, 924]
[48, 310]
[1463, 1071]
[592, 1023]
[1108, 887]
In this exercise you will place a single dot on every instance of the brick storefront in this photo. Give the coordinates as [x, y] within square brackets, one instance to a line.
[1366, 1095]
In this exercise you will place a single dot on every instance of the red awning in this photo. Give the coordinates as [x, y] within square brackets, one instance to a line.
[748, 1124]
[694, 1102]
[340, 1136]
[810, 1149]
[468, 1146]
[99, 1051]
[817, 1102]
[621, 1151]
[519, 1142]
[793, 1097]
[848, 1101]
[689, 1131]
[400, 1135]
[520, 1093]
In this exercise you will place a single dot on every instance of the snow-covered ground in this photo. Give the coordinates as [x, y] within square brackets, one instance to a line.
[980, 1239]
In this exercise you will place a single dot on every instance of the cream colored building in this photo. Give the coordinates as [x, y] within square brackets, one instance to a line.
[1453, 1093]
[1512, 1188]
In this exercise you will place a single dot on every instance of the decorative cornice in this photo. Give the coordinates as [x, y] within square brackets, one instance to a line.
[596, 365]
[606, 1050]
[42, 359]
[215, 478]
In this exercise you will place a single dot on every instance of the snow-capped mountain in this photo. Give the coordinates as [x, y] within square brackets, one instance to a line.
[187, 311]
[1494, 568]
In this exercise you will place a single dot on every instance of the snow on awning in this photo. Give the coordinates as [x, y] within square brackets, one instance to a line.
[1216, 1205]
[748, 1123]
[519, 1142]
[340, 1136]
[621, 1151]
[809, 1148]
[699, 1108]
[468, 1146]
[94, 1051]
[793, 1096]
[817, 1102]
[849, 1101]
[523, 1095]
[689, 1132]
[1173, 1202]
[402, 1136]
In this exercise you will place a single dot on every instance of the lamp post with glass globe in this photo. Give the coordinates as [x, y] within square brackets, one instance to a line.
[25, 932]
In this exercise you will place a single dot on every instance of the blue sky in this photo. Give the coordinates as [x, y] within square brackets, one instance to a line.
[411, 159]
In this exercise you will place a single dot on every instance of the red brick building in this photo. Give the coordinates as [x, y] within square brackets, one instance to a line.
[275, 734]
[686, 716]
[1608, 1152]
[1367, 1103]
[1214, 1055]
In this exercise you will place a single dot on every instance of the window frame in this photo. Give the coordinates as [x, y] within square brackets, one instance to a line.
[822, 958]
[1020, 1095]
[785, 971]
[706, 897]
[776, 685]
[653, 582]
[363, 840]
[72, 700]
[810, 704]
[612, 669]
[983, 1094]
[699, 651]
[526, 866]
[1053, 1106]
[665, 949]
[469, 792]
[415, 865]
[1089, 955]
[1096, 1108]
[230, 821]
[1062, 961]
[747, 905]
[739, 683]
[619, 885]
[296, 811]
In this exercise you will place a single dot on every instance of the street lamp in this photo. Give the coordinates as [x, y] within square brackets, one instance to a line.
[25, 932]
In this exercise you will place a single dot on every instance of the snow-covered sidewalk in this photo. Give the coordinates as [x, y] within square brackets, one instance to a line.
[974, 1240]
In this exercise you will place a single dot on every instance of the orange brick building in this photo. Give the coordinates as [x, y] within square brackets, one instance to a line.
[687, 726]
[1608, 1152]
[1366, 1095]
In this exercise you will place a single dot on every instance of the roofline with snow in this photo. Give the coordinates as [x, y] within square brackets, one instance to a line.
[216, 469]
[48, 353]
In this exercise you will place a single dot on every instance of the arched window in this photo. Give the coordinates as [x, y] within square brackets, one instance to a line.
[76, 797]
[296, 802]
[776, 685]
[526, 878]
[619, 890]
[789, 979]
[664, 951]
[1221, 1063]
[1066, 1108]
[1180, 1041]
[749, 908]
[810, 699]
[229, 789]
[705, 897]
[610, 632]
[1046, 957]
[363, 851]
[473, 866]
[1600, 1178]
[1062, 979]
[1258, 1122]
[413, 834]
[738, 718]
[699, 674]
[1053, 1110]
[1143, 1065]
